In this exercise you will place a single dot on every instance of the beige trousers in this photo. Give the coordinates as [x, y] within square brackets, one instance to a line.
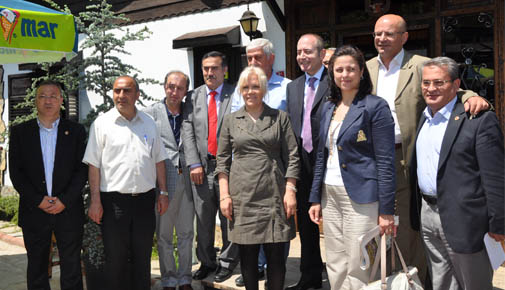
[344, 221]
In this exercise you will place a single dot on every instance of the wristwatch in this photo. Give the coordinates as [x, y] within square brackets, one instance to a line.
[165, 193]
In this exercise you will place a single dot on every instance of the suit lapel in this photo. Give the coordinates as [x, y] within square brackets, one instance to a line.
[165, 123]
[321, 90]
[34, 138]
[327, 119]
[405, 74]
[201, 105]
[456, 120]
[373, 69]
[225, 103]
[61, 146]
[300, 91]
[355, 111]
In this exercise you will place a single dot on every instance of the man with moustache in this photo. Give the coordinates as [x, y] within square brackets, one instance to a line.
[457, 178]
[46, 170]
[204, 110]
[396, 77]
[125, 155]
[167, 115]
[305, 98]
[260, 53]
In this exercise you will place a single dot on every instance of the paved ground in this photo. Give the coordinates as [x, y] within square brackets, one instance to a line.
[13, 266]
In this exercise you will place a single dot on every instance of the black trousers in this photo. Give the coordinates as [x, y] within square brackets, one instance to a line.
[311, 264]
[276, 269]
[128, 226]
[68, 240]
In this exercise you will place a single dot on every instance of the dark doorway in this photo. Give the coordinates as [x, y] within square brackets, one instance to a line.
[233, 54]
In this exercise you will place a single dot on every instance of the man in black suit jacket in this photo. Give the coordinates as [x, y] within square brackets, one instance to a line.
[311, 87]
[458, 180]
[45, 168]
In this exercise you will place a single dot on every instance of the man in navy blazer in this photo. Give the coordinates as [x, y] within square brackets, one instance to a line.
[45, 168]
[310, 54]
[457, 176]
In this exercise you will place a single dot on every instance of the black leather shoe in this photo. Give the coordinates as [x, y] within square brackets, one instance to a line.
[239, 282]
[261, 274]
[203, 272]
[305, 284]
[222, 274]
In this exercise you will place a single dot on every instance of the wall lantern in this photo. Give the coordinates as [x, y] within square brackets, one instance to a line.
[249, 23]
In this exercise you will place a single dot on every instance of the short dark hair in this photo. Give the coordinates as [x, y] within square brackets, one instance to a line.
[179, 73]
[224, 61]
[50, 83]
[365, 85]
[137, 88]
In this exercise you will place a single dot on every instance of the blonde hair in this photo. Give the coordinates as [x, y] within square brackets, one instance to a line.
[251, 70]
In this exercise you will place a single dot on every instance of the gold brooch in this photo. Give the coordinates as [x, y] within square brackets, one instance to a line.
[361, 136]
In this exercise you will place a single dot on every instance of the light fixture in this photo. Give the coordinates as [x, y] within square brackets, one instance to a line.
[249, 23]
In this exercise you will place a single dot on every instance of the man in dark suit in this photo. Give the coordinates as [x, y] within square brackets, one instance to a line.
[305, 96]
[203, 114]
[45, 168]
[458, 180]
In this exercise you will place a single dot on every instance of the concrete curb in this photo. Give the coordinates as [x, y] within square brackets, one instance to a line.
[16, 241]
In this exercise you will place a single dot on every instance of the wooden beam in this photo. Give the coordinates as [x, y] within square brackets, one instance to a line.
[279, 16]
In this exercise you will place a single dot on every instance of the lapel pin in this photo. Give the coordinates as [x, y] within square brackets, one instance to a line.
[456, 118]
[66, 132]
[361, 136]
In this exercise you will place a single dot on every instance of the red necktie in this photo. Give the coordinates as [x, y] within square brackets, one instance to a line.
[212, 115]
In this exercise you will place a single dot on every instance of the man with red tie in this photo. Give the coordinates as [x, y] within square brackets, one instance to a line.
[202, 118]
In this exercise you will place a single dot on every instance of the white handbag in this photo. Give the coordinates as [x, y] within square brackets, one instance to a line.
[405, 279]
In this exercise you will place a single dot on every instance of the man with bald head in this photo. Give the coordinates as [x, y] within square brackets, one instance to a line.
[125, 155]
[305, 97]
[396, 76]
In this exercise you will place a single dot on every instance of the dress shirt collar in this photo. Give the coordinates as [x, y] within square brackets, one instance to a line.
[317, 75]
[395, 62]
[445, 112]
[275, 79]
[54, 125]
[218, 90]
[116, 115]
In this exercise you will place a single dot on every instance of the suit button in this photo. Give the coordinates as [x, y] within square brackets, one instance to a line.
[43, 181]
[340, 148]
[343, 165]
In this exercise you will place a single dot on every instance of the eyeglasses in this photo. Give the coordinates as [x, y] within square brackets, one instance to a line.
[436, 83]
[388, 34]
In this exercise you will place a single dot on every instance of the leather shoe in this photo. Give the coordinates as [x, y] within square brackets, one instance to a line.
[185, 287]
[239, 282]
[305, 284]
[203, 272]
[222, 274]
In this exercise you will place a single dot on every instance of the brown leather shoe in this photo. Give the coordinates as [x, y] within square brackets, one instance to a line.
[185, 287]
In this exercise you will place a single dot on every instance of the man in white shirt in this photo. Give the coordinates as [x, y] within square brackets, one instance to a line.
[126, 157]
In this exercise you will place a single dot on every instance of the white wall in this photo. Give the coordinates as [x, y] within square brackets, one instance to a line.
[155, 56]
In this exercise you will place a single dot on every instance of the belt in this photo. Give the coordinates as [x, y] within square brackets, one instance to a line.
[398, 145]
[135, 194]
[211, 157]
[430, 199]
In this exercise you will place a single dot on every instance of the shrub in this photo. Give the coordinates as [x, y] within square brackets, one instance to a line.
[9, 208]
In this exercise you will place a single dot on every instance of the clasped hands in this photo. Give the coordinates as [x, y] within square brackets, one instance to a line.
[51, 205]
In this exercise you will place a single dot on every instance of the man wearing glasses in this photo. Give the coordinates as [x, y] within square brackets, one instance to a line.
[396, 76]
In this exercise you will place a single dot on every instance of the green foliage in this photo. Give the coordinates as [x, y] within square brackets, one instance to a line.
[9, 208]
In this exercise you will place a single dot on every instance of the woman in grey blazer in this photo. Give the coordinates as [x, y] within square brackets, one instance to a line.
[257, 162]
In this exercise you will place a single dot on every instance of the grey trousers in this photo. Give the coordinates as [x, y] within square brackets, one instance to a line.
[180, 214]
[450, 270]
[408, 240]
[206, 200]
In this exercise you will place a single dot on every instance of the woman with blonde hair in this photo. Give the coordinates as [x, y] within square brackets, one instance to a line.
[258, 185]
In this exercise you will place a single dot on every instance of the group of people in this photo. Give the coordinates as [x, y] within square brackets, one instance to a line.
[352, 145]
